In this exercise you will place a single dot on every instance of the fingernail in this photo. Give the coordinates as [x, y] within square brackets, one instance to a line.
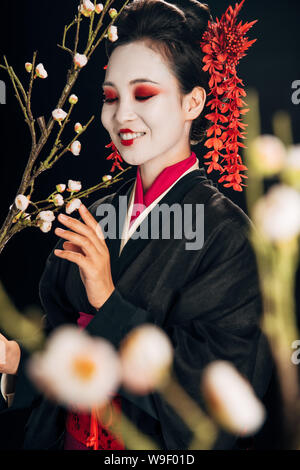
[62, 217]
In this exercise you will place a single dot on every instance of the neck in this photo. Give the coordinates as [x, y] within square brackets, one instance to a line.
[150, 170]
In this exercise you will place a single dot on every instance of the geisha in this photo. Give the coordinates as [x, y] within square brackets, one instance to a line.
[207, 299]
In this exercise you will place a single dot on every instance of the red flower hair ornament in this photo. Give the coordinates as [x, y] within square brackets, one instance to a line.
[224, 43]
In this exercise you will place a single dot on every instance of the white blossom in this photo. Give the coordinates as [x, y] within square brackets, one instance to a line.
[73, 205]
[268, 154]
[58, 199]
[40, 71]
[277, 214]
[146, 356]
[74, 185]
[75, 147]
[45, 226]
[293, 157]
[75, 369]
[46, 216]
[80, 60]
[231, 399]
[59, 114]
[60, 187]
[112, 33]
[21, 202]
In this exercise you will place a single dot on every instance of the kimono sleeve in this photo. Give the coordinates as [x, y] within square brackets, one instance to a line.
[216, 316]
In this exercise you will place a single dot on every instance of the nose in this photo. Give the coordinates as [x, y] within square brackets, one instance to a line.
[124, 111]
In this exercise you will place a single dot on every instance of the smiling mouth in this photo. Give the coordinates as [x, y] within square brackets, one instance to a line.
[129, 138]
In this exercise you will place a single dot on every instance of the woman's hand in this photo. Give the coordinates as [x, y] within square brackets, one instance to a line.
[87, 248]
[10, 354]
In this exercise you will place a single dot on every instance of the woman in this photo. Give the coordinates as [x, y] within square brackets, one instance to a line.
[204, 294]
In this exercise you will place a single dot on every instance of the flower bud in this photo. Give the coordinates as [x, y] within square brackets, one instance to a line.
[106, 178]
[78, 128]
[112, 33]
[99, 8]
[80, 60]
[268, 155]
[59, 114]
[28, 67]
[112, 13]
[75, 147]
[40, 71]
[74, 186]
[73, 205]
[58, 200]
[73, 99]
[60, 187]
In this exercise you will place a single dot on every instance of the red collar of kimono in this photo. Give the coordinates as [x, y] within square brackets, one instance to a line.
[161, 183]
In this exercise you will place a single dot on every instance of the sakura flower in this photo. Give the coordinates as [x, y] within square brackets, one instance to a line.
[80, 60]
[277, 214]
[59, 114]
[146, 356]
[28, 67]
[74, 185]
[75, 147]
[46, 216]
[78, 128]
[40, 71]
[291, 170]
[231, 399]
[45, 226]
[73, 99]
[73, 205]
[87, 8]
[98, 8]
[21, 202]
[60, 187]
[58, 200]
[268, 154]
[75, 369]
[112, 13]
[112, 33]
[106, 178]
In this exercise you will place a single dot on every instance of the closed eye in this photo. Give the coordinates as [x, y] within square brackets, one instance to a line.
[139, 98]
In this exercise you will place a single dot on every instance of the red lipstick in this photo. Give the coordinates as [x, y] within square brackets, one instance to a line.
[126, 142]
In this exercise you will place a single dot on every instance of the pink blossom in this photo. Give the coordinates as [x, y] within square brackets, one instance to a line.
[40, 71]
[80, 60]
[75, 147]
[73, 205]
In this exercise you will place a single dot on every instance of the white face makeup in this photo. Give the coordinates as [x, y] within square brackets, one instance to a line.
[135, 102]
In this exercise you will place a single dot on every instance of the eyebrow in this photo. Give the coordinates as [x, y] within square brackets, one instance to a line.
[137, 80]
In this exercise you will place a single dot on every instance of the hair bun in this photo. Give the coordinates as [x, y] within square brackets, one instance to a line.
[197, 16]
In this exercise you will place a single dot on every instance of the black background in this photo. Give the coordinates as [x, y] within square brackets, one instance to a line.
[271, 65]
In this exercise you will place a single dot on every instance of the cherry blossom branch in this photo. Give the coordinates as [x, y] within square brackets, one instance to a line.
[17, 218]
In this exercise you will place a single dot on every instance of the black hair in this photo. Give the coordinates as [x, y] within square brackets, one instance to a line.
[174, 29]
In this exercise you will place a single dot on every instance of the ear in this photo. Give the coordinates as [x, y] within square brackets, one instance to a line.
[193, 102]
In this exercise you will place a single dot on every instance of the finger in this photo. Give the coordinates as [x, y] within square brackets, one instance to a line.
[83, 229]
[91, 221]
[72, 247]
[84, 243]
[77, 258]
[2, 351]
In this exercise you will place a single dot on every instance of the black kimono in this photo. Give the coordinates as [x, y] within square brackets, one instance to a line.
[207, 300]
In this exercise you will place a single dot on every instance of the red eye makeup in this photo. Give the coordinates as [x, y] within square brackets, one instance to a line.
[141, 92]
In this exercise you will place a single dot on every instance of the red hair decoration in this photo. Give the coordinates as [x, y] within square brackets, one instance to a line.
[224, 44]
[114, 156]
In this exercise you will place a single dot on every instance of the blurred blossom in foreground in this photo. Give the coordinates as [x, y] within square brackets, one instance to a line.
[277, 214]
[291, 171]
[146, 357]
[231, 399]
[268, 154]
[75, 369]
